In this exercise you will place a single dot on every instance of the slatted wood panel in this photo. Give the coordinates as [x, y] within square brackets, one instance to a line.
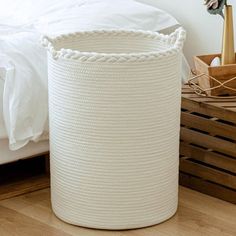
[208, 145]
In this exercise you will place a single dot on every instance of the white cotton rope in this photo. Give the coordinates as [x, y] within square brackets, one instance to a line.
[114, 108]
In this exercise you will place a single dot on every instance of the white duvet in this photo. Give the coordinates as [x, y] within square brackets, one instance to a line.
[23, 65]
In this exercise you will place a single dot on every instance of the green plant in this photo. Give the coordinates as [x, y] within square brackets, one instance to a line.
[216, 7]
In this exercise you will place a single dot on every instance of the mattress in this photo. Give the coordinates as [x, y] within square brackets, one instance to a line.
[27, 151]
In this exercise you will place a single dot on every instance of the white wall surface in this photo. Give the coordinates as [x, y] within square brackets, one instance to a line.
[204, 31]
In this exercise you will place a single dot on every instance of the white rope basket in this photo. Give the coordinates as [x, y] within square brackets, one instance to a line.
[114, 107]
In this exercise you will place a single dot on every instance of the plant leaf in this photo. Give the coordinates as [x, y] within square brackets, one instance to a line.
[219, 9]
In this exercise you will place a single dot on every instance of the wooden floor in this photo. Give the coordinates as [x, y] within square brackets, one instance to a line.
[198, 214]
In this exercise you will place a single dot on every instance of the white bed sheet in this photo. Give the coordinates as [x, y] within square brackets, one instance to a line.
[25, 85]
[31, 149]
[3, 133]
[25, 98]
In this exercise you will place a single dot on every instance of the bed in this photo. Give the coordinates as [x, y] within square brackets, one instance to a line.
[23, 66]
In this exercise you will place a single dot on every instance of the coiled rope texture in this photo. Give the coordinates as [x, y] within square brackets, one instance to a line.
[176, 40]
[114, 107]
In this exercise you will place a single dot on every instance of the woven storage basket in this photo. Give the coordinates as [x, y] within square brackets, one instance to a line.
[114, 107]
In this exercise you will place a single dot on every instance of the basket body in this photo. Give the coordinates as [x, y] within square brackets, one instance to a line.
[114, 133]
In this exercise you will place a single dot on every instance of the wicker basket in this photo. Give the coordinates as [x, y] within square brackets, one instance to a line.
[114, 106]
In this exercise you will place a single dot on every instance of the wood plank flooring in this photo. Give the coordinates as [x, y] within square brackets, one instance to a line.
[198, 215]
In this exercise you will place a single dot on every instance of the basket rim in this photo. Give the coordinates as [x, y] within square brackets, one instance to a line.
[175, 39]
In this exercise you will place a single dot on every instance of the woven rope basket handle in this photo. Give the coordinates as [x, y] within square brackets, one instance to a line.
[178, 38]
[175, 40]
[47, 42]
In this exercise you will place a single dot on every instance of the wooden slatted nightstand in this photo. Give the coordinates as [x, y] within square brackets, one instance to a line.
[208, 145]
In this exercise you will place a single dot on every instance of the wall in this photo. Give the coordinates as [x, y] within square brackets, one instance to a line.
[204, 30]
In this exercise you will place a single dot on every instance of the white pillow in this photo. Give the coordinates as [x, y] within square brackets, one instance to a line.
[103, 14]
[25, 12]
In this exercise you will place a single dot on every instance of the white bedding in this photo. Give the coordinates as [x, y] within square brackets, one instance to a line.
[3, 133]
[25, 88]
